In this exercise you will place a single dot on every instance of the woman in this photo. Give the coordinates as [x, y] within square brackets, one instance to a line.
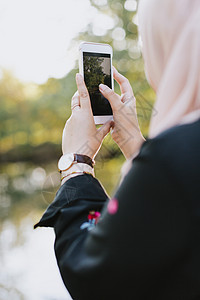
[146, 244]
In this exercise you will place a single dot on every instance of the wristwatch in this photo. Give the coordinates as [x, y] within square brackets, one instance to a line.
[67, 160]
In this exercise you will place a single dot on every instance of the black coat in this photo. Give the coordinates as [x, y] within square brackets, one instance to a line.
[150, 247]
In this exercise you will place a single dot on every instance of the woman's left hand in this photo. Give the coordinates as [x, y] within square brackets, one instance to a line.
[80, 134]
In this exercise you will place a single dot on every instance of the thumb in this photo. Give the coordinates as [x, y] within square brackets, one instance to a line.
[104, 130]
[112, 97]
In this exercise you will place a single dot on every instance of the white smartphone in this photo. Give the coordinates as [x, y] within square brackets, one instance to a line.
[95, 64]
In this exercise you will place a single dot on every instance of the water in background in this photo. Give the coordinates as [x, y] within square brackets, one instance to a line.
[28, 267]
[27, 261]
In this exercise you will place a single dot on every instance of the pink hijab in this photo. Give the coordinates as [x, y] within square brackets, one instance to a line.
[170, 32]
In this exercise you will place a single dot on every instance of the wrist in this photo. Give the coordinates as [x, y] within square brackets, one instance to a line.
[76, 170]
[67, 160]
[132, 146]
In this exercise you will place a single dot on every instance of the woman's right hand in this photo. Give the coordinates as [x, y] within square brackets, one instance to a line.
[126, 131]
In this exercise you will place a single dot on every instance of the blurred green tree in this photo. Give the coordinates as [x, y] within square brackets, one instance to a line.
[32, 116]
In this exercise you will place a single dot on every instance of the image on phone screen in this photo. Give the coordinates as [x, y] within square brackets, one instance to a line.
[97, 70]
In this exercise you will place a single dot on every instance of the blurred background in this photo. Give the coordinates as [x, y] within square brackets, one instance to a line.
[38, 61]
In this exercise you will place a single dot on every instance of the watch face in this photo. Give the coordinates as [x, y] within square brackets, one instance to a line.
[65, 161]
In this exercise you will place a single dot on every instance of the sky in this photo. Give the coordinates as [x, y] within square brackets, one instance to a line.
[35, 36]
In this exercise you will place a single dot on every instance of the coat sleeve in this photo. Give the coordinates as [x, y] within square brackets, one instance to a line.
[142, 233]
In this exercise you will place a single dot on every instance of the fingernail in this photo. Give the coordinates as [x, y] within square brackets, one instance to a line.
[79, 77]
[102, 87]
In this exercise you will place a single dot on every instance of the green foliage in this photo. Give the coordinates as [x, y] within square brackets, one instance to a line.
[32, 116]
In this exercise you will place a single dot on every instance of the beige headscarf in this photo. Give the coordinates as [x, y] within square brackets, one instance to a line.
[170, 32]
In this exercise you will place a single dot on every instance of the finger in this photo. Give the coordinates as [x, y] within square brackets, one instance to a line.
[112, 97]
[104, 130]
[75, 103]
[124, 83]
[127, 98]
[83, 92]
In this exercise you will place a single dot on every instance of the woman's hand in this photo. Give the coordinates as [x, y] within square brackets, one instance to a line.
[80, 134]
[126, 131]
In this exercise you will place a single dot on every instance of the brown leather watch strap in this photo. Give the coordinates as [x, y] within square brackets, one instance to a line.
[81, 158]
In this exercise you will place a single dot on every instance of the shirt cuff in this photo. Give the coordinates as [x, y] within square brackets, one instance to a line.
[80, 187]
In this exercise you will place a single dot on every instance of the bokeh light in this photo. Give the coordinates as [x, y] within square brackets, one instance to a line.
[130, 5]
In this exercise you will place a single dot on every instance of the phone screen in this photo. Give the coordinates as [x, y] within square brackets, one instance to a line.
[97, 70]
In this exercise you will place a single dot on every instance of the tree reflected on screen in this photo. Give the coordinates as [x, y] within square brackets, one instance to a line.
[93, 72]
